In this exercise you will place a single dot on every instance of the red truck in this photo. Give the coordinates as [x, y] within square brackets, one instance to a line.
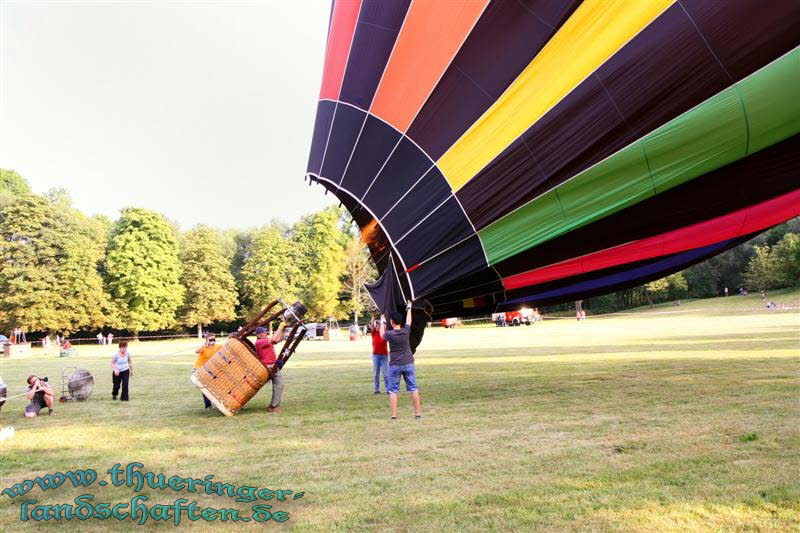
[514, 318]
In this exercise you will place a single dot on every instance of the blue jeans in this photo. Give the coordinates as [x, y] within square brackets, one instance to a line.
[409, 374]
[379, 364]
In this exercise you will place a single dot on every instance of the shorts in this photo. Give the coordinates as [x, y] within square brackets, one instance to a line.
[409, 374]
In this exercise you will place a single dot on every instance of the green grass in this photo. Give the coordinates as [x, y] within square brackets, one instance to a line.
[635, 422]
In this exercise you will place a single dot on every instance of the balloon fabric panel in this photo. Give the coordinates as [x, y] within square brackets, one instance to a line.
[741, 222]
[340, 36]
[565, 149]
[431, 35]
[651, 80]
[707, 137]
[417, 203]
[625, 278]
[347, 124]
[505, 39]
[376, 32]
[322, 127]
[594, 32]
[725, 190]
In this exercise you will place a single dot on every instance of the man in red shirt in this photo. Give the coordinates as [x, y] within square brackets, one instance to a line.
[265, 350]
[380, 358]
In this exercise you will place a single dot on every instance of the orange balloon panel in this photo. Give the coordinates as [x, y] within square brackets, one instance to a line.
[431, 36]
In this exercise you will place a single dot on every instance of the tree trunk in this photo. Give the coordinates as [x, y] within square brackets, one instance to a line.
[199, 331]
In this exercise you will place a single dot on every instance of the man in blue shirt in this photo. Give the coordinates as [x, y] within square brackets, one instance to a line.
[401, 360]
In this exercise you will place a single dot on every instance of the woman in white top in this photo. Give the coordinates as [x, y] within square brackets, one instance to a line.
[122, 367]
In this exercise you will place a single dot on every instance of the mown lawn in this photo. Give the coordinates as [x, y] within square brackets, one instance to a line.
[676, 418]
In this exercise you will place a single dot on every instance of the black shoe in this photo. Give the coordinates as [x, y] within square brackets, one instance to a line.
[114, 398]
[394, 418]
[417, 416]
[376, 392]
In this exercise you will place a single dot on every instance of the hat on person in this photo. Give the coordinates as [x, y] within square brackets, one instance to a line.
[260, 330]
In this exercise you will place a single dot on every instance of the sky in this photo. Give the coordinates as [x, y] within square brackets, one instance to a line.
[202, 111]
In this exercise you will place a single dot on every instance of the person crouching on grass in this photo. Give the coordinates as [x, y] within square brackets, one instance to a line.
[40, 394]
[122, 366]
[265, 350]
[204, 353]
[401, 360]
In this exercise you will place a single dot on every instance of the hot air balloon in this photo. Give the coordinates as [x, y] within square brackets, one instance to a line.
[508, 151]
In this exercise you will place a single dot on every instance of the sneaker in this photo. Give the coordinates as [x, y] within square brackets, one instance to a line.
[376, 392]
[113, 397]
[276, 409]
[51, 412]
[418, 417]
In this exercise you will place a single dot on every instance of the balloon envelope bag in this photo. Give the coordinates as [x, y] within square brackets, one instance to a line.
[233, 375]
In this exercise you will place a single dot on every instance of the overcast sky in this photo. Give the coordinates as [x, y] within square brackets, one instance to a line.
[202, 111]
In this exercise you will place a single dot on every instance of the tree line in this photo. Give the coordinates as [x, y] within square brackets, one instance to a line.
[769, 261]
[63, 271]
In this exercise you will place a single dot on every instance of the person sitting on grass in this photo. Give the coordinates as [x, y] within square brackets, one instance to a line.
[40, 394]
[122, 366]
[265, 350]
[401, 360]
[204, 353]
[66, 349]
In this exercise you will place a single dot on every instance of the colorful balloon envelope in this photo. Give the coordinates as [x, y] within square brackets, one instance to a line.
[502, 152]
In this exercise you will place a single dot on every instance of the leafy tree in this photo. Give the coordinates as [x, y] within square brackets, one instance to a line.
[761, 271]
[269, 269]
[319, 254]
[678, 286]
[775, 234]
[12, 185]
[656, 290]
[786, 254]
[209, 284]
[143, 271]
[237, 245]
[702, 279]
[48, 268]
[357, 271]
[59, 197]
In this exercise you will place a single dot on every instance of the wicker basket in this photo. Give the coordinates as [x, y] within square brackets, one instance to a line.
[231, 376]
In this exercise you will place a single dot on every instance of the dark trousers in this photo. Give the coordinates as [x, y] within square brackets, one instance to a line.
[206, 401]
[122, 379]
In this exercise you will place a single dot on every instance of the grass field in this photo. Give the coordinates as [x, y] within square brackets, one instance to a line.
[671, 419]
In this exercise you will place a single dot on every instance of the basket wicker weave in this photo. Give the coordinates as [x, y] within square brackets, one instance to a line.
[231, 376]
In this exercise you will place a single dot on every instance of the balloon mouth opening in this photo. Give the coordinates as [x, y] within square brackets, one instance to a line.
[372, 234]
